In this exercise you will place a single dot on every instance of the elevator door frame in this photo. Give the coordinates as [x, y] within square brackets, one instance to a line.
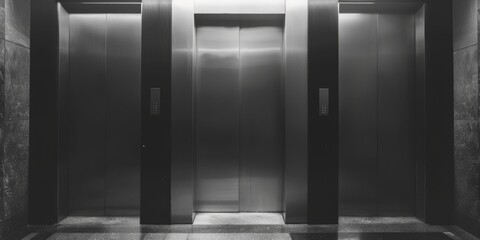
[242, 21]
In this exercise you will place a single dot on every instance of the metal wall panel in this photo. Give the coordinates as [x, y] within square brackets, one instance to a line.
[396, 110]
[182, 183]
[217, 117]
[358, 114]
[63, 69]
[87, 114]
[420, 111]
[323, 128]
[239, 6]
[296, 111]
[123, 72]
[262, 116]
[155, 206]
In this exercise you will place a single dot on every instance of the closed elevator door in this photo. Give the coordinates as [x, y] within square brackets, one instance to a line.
[239, 115]
[104, 114]
[377, 107]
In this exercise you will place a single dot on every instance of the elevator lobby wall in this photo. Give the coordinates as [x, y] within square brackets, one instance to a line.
[14, 114]
[467, 152]
[311, 156]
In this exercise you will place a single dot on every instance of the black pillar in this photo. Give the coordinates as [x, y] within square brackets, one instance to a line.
[156, 73]
[439, 157]
[44, 123]
[322, 130]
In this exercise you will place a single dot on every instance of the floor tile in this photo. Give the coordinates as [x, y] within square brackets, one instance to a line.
[239, 219]
[239, 236]
[370, 236]
[70, 236]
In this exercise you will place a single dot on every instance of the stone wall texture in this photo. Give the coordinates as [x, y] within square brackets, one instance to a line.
[466, 115]
[14, 113]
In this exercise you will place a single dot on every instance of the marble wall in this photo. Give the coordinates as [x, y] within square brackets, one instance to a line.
[14, 113]
[466, 115]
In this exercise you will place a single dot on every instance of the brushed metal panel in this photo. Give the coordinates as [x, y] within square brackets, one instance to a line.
[420, 111]
[358, 114]
[396, 110]
[63, 73]
[87, 114]
[394, 7]
[296, 111]
[156, 160]
[182, 178]
[262, 116]
[217, 117]
[239, 6]
[123, 71]
[102, 7]
[323, 130]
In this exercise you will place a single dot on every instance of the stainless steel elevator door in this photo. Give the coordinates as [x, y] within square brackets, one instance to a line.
[87, 114]
[217, 118]
[104, 114]
[239, 116]
[261, 122]
[377, 106]
[358, 114]
[123, 71]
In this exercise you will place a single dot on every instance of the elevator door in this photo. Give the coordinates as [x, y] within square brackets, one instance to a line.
[239, 115]
[377, 106]
[104, 114]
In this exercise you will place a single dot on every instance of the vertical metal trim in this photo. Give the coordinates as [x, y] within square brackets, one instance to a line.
[296, 111]
[420, 112]
[106, 115]
[183, 153]
[63, 62]
[377, 172]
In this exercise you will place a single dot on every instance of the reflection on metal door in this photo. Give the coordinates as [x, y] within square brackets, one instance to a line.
[239, 115]
[377, 106]
[104, 113]
[217, 118]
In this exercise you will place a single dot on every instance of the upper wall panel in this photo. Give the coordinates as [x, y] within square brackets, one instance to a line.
[239, 6]
[17, 15]
[464, 23]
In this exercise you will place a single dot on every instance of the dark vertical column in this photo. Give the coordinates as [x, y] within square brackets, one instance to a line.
[420, 111]
[439, 112]
[323, 130]
[63, 106]
[155, 130]
[43, 167]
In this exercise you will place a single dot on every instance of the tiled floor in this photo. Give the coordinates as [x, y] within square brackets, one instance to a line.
[348, 229]
[238, 219]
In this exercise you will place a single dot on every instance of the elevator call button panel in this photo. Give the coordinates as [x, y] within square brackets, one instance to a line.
[323, 97]
[154, 101]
